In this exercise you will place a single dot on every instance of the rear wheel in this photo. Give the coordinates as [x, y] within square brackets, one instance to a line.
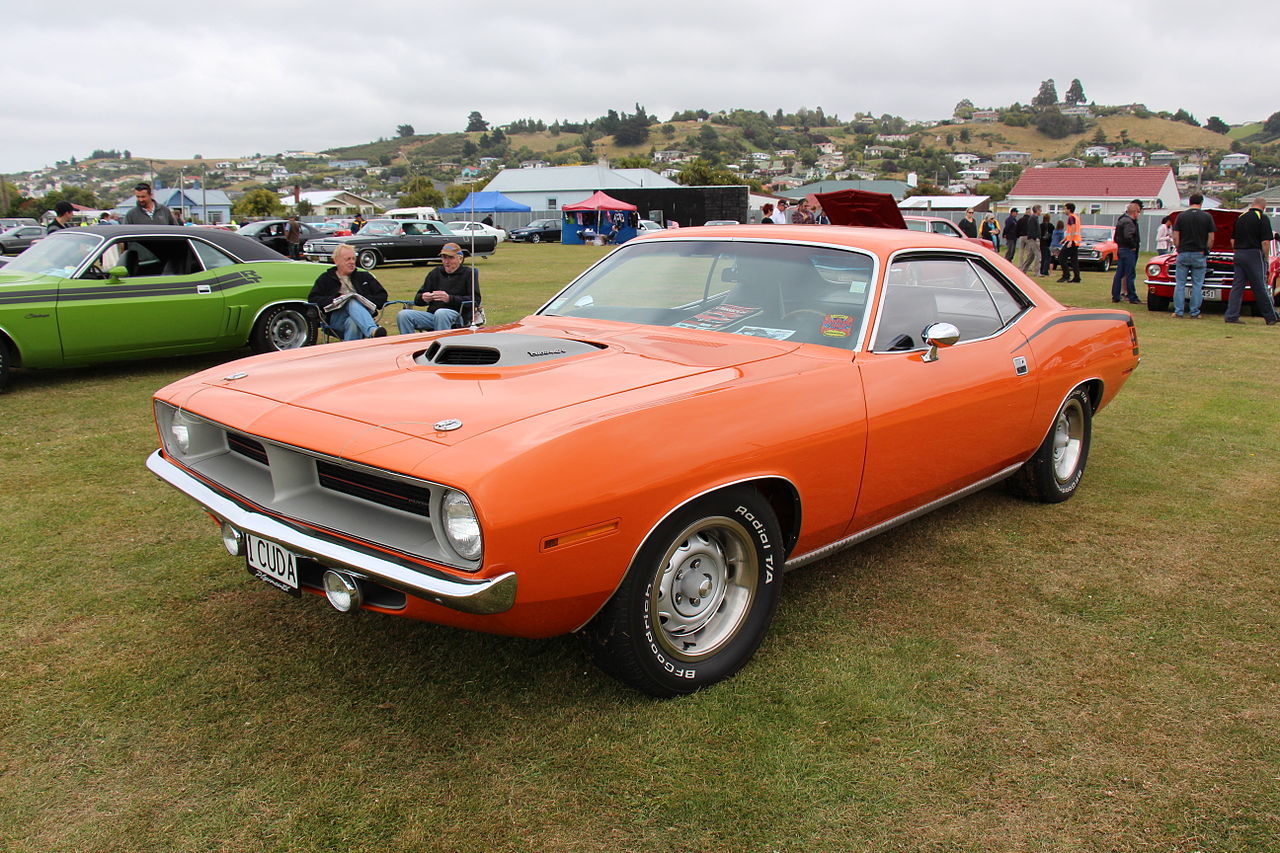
[698, 598]
[367, 259]
[1053, 474]
[283, 327]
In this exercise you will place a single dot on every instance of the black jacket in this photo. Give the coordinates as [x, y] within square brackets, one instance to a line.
[459, 286]
[327, 287]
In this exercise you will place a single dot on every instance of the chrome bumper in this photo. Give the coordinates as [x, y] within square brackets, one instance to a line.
[480, 596]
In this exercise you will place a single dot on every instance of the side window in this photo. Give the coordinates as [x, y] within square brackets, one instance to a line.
[1008, 301]
[160, 256]
[212, 258]
[946, 228]
[921, 291]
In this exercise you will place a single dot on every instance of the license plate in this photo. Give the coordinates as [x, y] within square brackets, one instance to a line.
[272, 563]
[1212, 294]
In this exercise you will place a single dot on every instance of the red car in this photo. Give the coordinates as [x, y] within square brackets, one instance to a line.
[1218, 277]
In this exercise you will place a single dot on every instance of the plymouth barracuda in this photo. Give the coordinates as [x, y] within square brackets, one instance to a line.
[644, 458]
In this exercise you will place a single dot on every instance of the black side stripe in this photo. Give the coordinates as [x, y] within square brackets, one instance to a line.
[1076, 318]
[221, 283]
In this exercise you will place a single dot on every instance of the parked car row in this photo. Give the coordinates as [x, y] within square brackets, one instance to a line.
[399, 241]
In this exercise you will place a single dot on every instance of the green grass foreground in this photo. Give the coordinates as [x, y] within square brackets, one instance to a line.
[1100, 675]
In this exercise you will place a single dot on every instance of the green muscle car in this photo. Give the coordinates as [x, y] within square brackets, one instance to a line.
[112, 293]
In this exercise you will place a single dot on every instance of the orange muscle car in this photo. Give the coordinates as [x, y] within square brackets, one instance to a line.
[643, 458]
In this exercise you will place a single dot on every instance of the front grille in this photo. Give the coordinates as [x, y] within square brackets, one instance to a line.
[246, 446]
[371, 487]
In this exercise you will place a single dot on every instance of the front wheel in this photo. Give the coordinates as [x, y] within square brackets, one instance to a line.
[6, 363]
[1106, 265]
[1155, 302]
[698, 598]
[368, 259]
[536, 238]
[281, 328]
[1053, 474]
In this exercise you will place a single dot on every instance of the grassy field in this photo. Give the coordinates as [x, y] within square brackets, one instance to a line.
[1000, 676]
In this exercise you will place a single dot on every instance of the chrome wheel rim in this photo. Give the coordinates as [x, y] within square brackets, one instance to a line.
[288, 330]
[704, 588]
[1068, 440]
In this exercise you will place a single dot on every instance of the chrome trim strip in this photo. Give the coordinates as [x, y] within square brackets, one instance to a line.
[863, 535]
[480, 596]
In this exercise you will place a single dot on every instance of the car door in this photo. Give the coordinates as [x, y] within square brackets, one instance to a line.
[935, 427]
[167, 301]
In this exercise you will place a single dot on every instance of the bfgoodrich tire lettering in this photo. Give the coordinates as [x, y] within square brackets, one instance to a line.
[1053, 474]
[698, 599]
[280, 328]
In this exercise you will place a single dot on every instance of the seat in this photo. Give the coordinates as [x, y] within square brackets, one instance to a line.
[129, 260]
[907, 310]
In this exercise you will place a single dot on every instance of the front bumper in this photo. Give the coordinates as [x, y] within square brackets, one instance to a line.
[481, 596]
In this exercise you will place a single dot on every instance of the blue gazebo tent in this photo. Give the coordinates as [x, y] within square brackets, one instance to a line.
[487, 202]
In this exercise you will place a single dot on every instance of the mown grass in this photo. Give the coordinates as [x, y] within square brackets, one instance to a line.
[999, 676]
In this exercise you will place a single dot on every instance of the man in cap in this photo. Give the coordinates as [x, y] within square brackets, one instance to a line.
[439, 302]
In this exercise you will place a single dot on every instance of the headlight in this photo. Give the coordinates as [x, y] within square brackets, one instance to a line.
[180, 434]
[461, 525]
[1153, 270]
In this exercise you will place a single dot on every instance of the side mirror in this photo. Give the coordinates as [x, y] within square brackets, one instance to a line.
[938, 335]
[118, 272]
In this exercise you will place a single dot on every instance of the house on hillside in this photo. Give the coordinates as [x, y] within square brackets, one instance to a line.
[333, 203]
[1100, 190]
[1230, 162]
[553, 187]
[207, 206]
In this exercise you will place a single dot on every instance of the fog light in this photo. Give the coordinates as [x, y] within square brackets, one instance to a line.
[342, 591]
[232, 540]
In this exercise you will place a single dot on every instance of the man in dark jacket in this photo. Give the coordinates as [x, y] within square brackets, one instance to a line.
[62, 213]
[443, 294]
[1128, 240]
[1011, 234]
[148, 211]
[350, 298]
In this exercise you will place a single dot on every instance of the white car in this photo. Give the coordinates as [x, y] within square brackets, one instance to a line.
[646, 225]
[467, 229]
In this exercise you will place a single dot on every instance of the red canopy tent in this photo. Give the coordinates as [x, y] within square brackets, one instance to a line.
[599, 201]
[576, 220]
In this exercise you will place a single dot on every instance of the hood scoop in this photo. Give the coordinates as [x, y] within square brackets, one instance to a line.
[500, 349]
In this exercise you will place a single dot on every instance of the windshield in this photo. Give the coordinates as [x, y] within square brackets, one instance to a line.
[771, 290]
[917, 225]
[381, 227]
[1096, 234]
[60, 254]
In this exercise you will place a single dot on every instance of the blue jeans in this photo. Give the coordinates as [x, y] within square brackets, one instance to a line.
[1126, 270]
[352, 320]
[1193, 264]
[410, 320]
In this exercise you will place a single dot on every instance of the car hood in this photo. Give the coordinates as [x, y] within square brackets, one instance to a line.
[440, 388]
[861, 207]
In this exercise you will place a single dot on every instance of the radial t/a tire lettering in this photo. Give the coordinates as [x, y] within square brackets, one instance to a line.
[1053, 474]
[698, 598]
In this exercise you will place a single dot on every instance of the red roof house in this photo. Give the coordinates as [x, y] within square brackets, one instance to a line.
[1096, 190]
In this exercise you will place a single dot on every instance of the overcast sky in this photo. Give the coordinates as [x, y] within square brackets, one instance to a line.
[233, 78]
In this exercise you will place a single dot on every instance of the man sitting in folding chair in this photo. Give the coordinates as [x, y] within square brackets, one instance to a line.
[349, 298]
[448, 297]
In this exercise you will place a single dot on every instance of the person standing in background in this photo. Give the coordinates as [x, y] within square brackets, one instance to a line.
[1250, 239]
[1011, 234]
[1192, 239]
[1127, 242]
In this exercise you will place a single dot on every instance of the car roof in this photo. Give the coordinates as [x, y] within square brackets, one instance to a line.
[882, 241]
[244, 248]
